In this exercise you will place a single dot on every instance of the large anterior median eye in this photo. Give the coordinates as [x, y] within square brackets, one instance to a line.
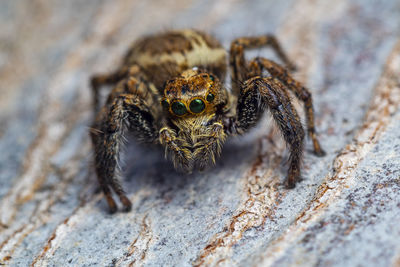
[178, 108]
[197, 106]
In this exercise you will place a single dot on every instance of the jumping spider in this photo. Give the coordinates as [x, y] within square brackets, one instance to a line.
[169, 91]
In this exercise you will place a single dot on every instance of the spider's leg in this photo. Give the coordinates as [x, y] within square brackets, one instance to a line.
[256, 95]
[127, 111]
[99, 80]
[239, 70]
[302, 93]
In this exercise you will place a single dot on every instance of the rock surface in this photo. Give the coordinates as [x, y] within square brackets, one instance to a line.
[345, 212]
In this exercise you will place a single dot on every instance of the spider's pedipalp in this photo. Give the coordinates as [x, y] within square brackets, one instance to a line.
[208, 148]
[181, 156]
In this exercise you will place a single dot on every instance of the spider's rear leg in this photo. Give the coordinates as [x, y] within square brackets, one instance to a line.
[256, 95]
[127, 111]
[258, 64]
[237, 60]
[99, 80]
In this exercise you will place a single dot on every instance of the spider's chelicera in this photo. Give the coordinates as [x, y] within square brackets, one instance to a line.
[169, 90]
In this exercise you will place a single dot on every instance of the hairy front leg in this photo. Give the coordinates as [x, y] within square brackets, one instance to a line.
[126, 112]
[301, 92]
[257, 94]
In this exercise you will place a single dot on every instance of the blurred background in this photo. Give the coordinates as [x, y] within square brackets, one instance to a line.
[345, 212]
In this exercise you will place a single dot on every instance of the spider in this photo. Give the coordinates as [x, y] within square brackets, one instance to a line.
[169, 90]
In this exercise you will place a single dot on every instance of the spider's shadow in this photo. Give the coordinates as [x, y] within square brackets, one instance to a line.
[146, 166]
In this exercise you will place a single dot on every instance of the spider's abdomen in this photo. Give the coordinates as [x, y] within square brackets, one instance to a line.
[165, 56]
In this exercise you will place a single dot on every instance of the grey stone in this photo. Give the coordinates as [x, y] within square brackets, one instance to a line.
[345, 212]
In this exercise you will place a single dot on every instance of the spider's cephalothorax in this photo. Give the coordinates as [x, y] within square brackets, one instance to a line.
[169, 90]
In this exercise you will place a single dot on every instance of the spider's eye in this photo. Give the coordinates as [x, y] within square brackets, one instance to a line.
[165, 103]
[178, 108]
[212, 78]
[197, 106]
[210, 97]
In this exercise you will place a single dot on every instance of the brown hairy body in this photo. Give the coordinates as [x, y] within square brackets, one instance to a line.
[169, 90]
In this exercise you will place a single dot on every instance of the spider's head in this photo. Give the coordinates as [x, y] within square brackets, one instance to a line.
[192, 101]
[193, 93]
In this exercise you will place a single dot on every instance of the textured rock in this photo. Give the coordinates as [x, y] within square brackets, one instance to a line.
[344, 213]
